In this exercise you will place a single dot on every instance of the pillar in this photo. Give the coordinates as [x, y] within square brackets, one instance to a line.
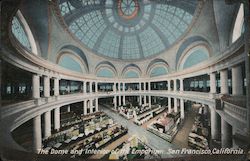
[84, 87]
[140, 100]
[181, 85]
[140, 86]
[214, 123]
[226, 134]
[96, 87]
[169, 105]
[175, 85]
[182, 108]
[47, 124]
[124, 100]
[119, 100]
[46, 86]
[68, 108]
[149, 87]
[175, 105]
[96, 105]
[57, 118]
[145, 100]
[144, 86]
[169, 85]
[85, 107]
[56, 86]
[91, 106]
[224, 81]
[119, 87]
[212, 82]
[123, 88]
[149, 101]
[115, 103]
[68, 86]
[237, 80]
[90, 87]
[35, 86]
[37, 134]
[155, 100]
[114, 87]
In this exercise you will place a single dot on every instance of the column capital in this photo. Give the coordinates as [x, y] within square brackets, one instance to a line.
[212, 72]
[47, 76]
[55, 77]
[38, 74]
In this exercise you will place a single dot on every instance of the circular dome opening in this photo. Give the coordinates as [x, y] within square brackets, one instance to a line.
[128, 9]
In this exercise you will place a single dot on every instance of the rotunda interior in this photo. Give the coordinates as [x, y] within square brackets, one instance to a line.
[124, 80]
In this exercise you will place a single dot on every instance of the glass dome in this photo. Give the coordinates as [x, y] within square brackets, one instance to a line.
[127, 29]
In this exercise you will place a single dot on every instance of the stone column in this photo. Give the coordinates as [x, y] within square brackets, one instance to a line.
[96, 87]
[85, 108]
[96, 105]
[140, 101]
[115, 103]
[181, 85]
[46, 86]
[119, 87]
[237, 80]
[175, 105]
[47, 124]
[35, 86]
[226, 134]
[140, 86]
[123, 87]
[69, 86]
[214, 123]
[37, 134]
[212, 83]
[169, 85]
[119, 100]
[182, 108]
[56, 86]
[169, 105]
[91, 106]
[149, 101]
[114, 87]
[224, 81]
[90, 87]
[149, 86]
[124, 100]
[84, 87]
[68, 108]
[144, 86]
[175, 85]
[145, 100]
[57, 118]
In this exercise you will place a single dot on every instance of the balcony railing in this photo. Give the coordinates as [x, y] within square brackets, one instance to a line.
[235, 106]
[235, 100]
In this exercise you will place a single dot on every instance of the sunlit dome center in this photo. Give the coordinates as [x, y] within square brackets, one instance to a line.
[127, 29]
[128, 9]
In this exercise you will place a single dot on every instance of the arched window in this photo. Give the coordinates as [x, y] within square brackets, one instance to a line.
[19, 33]
[238, 29]
[22, 32]
[70, 63]
[193, 57]
[131, 74]
[105, 73]
[157, 71]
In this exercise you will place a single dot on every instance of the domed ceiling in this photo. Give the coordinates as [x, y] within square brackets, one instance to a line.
[127, 29]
